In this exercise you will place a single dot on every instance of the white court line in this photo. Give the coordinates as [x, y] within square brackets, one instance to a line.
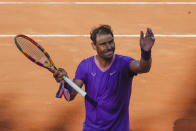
[135, 3]
[98, 3]
[120, 36]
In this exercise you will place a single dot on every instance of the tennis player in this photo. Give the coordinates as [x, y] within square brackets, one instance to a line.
[108, 80]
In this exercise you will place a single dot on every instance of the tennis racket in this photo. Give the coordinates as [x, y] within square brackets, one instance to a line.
[37, 54]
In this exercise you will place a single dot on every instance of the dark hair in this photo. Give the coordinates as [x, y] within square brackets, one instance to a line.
[102, 29]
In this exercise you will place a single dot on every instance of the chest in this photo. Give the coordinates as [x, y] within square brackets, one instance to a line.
[107, 83]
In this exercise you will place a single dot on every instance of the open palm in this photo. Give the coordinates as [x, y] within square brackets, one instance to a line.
[147, 41]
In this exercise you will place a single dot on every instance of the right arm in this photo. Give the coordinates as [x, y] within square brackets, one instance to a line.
[58, 75]
[146, 44]
[79, 83]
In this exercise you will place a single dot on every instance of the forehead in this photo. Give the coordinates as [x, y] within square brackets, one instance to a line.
[101, 38]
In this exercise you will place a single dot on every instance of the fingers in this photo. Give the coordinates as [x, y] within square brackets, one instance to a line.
[58, 75]
[141, 35]
[62, 72]
[149, 34]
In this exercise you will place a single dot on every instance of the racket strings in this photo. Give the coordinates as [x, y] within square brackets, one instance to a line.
[32, 50]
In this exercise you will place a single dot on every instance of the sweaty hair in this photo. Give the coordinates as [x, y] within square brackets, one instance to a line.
[101, 30]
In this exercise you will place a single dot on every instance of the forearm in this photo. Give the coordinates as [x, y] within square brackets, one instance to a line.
[145, 65]
[73, 92]
[145, 61]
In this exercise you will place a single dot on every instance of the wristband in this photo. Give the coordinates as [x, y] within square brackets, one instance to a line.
[146, 55]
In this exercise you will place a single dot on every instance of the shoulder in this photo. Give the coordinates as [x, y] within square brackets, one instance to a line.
[125, 63]
[87, 60]
[83, 66]
[126, 59]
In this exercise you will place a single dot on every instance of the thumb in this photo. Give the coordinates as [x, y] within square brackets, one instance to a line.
[141, 35]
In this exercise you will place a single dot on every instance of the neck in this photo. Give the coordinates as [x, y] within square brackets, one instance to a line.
[104, 63]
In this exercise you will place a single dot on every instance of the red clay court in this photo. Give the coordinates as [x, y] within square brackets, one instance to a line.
[162, 100]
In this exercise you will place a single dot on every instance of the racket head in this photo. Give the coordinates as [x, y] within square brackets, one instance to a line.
[34, 52]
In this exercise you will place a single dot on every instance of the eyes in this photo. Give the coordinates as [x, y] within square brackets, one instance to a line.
[109, 42]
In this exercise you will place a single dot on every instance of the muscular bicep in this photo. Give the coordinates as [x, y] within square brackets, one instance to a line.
[135, 66]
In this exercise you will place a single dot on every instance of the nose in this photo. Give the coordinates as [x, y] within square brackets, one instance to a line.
[109, 46]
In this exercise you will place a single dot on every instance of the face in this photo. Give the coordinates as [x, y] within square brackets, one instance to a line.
[105, 46]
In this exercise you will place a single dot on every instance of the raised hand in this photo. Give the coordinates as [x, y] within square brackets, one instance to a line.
[147, 41]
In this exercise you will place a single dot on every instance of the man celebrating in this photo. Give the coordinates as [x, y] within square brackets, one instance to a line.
[108, 80]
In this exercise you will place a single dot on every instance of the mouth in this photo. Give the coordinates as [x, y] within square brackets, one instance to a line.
[109, 53]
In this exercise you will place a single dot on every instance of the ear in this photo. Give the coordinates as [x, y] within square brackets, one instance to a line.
[94, 46]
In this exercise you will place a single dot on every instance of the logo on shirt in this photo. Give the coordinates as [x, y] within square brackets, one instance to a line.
[112, 73]
[93, 74]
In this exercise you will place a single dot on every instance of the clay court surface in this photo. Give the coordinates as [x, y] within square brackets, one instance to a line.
[162, 100]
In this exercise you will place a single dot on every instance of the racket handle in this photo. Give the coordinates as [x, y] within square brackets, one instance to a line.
[80, 91]
[73, 85]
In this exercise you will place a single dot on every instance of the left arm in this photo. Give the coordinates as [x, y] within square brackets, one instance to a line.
[146, 43]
